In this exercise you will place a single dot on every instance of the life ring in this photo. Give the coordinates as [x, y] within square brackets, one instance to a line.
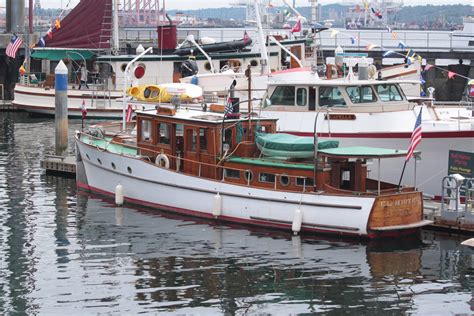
[163, 161]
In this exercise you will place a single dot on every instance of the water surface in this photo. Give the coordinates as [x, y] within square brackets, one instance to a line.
[64, 251]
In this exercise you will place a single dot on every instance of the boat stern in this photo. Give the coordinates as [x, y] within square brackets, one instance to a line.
[396, 214]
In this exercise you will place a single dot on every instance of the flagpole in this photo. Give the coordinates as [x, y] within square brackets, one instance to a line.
[401, 176]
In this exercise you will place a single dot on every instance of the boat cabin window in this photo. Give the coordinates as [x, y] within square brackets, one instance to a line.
[306, 182]
[284, 180]
[145, 131]
[232, 173]
[363, 94]
[301, 96]
[331, 96]
[283, 95]
[191, 140]
[227, 139]
[203, 139]
[389, 92]
[266, 177]
[164, 133]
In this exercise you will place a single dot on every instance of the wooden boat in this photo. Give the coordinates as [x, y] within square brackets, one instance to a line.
[204, 164]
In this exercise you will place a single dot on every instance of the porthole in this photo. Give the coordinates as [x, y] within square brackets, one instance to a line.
[99, 161]
[207, 66]
[113, 166]
[248, 175]
[87, 155]
[129, 170]
[284, 180]
[253, 63]
[123, 67]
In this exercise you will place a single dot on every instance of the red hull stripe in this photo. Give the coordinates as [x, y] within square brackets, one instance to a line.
[52, 95]
[450, 134]
[261, 223]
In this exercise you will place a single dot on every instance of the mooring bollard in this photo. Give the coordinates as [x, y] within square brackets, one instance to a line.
[60, 103]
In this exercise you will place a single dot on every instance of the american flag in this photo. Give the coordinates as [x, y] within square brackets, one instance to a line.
[415, 137]
[13, 46]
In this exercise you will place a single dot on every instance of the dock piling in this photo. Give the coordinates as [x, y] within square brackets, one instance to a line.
[61, 113]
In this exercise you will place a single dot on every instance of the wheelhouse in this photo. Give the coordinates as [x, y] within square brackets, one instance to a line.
[336, 94]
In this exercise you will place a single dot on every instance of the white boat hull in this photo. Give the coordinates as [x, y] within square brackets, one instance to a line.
[146, 184]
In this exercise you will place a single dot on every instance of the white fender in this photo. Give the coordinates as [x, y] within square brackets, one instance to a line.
[217, 206]
[119, 194]
[162, 161]
[297, 221]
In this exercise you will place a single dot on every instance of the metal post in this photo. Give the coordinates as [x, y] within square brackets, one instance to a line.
[414, 181]
[248, 73]
[27, 55]
[115, 32]
[378, 180]
[61, 113]
[30, 17]
[125, 83]
[263, 47]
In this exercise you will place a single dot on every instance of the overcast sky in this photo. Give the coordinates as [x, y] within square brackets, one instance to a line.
[194, 4]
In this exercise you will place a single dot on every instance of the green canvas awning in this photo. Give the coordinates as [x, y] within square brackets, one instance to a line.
[364, 152]
[290, 146]
[58, 54]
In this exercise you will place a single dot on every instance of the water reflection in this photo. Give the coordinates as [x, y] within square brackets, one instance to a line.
[66, 251]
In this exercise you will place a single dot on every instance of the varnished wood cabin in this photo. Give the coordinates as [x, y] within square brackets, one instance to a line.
[189, 141]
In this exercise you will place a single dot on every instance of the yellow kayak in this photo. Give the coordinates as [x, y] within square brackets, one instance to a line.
[164, 92]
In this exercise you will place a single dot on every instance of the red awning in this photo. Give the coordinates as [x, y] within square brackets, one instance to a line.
[88, 25]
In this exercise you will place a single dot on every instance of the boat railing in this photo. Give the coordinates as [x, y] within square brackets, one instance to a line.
[420, 40]
[101, 96]
[466, 104]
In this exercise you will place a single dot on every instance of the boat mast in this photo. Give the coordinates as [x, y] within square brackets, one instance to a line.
[263, 47]
[125, 85]
[115, 28]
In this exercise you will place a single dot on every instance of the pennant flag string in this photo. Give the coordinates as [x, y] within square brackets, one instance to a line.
[410, 55]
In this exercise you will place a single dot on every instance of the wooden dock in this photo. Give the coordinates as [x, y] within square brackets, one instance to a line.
[460, 222]
[58, 165]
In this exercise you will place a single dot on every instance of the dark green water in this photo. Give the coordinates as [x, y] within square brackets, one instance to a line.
[65, 252]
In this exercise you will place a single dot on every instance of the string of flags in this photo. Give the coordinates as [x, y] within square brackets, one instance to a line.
[409, 54]
[56, 25]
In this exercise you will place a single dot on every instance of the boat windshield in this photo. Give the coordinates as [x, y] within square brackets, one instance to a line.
[362, 94]
[331, 96]
[283, 95]
[388, 92]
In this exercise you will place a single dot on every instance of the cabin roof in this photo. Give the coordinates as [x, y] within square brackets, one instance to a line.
[310, 80]
[271, 163]
[208, 117]
[363, 152]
